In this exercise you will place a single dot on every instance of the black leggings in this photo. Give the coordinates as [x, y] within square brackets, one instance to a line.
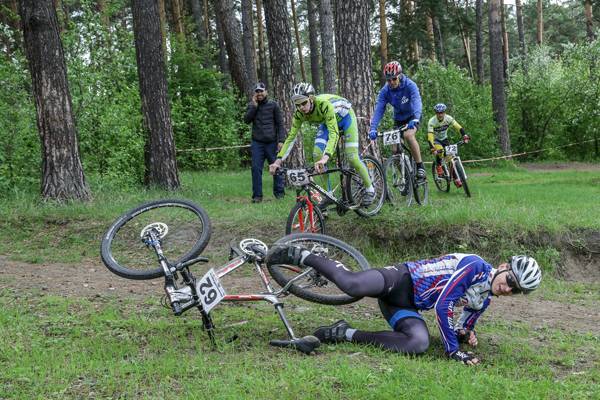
[393, 288]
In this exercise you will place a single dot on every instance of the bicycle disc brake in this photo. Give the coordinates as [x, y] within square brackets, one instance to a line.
[160, 230]
[253, 247]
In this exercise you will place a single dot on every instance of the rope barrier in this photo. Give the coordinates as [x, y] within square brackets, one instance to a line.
[213, 148]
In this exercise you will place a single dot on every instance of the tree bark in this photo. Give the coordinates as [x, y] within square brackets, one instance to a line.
[223, 62]
[504, 40]
[383, 47]
[248, 38]
[465, 39]
[313, 34]
[199, 16]
[282, 66]
[232, 35]
[540, 22]
[356, 81]
[327, 47]
[178, 20]
[440, 40]
[479, 39]
[161, 166]
[430, 37]
[589, 20]
[62, 173]
[298, 42]
[263, 71]
[521, 29]
[162, 14]
[497, 76]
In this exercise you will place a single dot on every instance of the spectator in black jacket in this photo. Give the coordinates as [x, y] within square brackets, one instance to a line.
[268, 135]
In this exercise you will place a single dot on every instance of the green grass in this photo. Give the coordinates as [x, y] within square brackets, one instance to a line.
[105, 347]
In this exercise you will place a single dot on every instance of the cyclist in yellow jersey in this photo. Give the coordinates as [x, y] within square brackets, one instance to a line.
[437, 133]
[335, 115]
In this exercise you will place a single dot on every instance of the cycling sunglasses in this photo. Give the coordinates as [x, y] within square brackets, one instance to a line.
[304, 103]
[394, 79]
[512, 282]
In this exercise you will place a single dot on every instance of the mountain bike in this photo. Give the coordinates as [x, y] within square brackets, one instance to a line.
[344, 192]
[165, 238]
[400, 171]
[452, 168]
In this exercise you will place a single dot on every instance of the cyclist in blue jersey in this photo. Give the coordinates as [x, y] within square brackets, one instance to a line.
[403, 94]
[404, 289]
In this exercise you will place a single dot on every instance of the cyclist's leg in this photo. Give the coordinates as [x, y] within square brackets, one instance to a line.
[318, 150]
[349, 129]
[410, 334]
[369, 283]
[439, 146]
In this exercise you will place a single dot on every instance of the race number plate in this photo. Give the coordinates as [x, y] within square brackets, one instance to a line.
[209, 290]
[452, 150]
[391, 137]
[297, 177]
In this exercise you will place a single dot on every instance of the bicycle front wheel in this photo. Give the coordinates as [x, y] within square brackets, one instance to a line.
[442, 182]
[355, 190]
[302, 220]
[420, 187]
[185, 229]
[313, 286]
[463, 178]
[398, 182]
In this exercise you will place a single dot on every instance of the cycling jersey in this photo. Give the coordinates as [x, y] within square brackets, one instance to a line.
[449, 281]
[328, 109]
[440, 128]
[405, 99]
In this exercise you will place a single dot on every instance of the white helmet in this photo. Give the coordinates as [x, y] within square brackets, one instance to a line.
[527, 271]
[302, 91]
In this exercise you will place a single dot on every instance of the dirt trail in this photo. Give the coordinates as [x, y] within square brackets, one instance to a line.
[94, 282]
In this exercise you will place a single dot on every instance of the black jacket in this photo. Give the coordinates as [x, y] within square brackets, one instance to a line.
[267, 124]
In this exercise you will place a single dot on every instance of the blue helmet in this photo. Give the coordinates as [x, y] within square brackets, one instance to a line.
[440, 107]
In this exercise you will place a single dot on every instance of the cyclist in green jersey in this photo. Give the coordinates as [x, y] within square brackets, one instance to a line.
[335, 115]
[437, 134]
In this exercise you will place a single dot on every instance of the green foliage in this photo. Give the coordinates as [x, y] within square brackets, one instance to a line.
[555, 101]
[468, 102]
[203, 113]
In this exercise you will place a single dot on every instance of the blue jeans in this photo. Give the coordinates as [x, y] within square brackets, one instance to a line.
[260, 152]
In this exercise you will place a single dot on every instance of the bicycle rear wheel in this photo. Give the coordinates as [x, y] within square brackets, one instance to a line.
[463, 178]
[398, 180]
[186, 229]
[355, 190]
[313, 286]
[442, 183]
[300, 220]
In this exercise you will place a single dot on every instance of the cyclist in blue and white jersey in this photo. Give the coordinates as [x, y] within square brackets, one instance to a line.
[443, 283]
[403, 94]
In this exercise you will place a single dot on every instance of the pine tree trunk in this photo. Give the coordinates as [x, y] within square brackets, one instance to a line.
[313, 34]
[263, 71]
[504, 41]
[161, 166]
[540, 22]
[178, 20]
[282, 66]
[497, 76]
[298, 42]
[199, 16]
[465, 39]
[589, 20]
[223, 62]
[430, 37]
[353, 53]
[479, 39]
[327, 47]
[248, 38]
[62, 173]
[440, 40]
[163, 25]
[521, 29]
[383, 47]
[232, 35]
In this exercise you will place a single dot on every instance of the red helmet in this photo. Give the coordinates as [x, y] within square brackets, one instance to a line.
[392, 69]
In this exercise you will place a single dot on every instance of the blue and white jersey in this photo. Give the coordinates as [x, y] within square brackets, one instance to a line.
[405, 99]
[453, 280]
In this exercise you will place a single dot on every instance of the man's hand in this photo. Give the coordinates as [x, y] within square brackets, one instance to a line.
[279, 146]
[254, 101]
[466, 138]
[467, 337]
[434, 151]
[275, 166]
[466, 358]
[413, 124]
[320, 165]
[373, 134]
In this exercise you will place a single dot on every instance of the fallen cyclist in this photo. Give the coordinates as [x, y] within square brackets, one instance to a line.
[402, 290]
